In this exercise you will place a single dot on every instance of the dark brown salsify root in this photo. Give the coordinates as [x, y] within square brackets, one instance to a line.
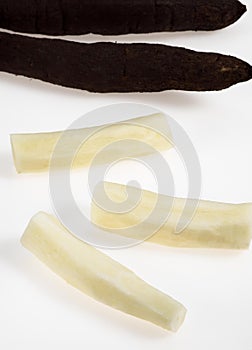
[109, 67]
[114, 17]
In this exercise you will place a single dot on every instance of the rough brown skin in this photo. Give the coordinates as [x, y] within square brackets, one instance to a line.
[114, 17]
[109, 67]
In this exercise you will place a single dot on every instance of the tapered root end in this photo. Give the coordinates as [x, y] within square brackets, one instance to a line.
[237, 12]
[238, 72]
[234, 11]
[241, 10]
[247, 73]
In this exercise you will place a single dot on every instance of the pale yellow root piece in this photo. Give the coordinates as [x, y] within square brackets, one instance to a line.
[33, 152]
[97, 275]
[214, 225]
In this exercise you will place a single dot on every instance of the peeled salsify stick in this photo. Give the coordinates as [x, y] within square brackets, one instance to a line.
[33, 152]
[97, 275]
[213, 225]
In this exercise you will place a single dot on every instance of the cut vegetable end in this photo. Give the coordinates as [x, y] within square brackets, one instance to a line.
[178, 320]
[97, 275]
[18, 162]
[212, 225]
[33, 152]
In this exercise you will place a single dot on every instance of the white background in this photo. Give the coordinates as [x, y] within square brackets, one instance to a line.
[39, 310]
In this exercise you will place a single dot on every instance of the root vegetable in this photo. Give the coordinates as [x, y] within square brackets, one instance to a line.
[97, 275]
[214, 225]
[33, 152]
[109, 67]
[115, 17]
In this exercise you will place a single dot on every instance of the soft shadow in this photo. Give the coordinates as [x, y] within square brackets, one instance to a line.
[30, 84]
[181, 99]
[14, 255]
[204, 253]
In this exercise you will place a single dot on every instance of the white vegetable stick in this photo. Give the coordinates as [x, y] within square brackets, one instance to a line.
[214, 225]
[97, 275]
[33, 152]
